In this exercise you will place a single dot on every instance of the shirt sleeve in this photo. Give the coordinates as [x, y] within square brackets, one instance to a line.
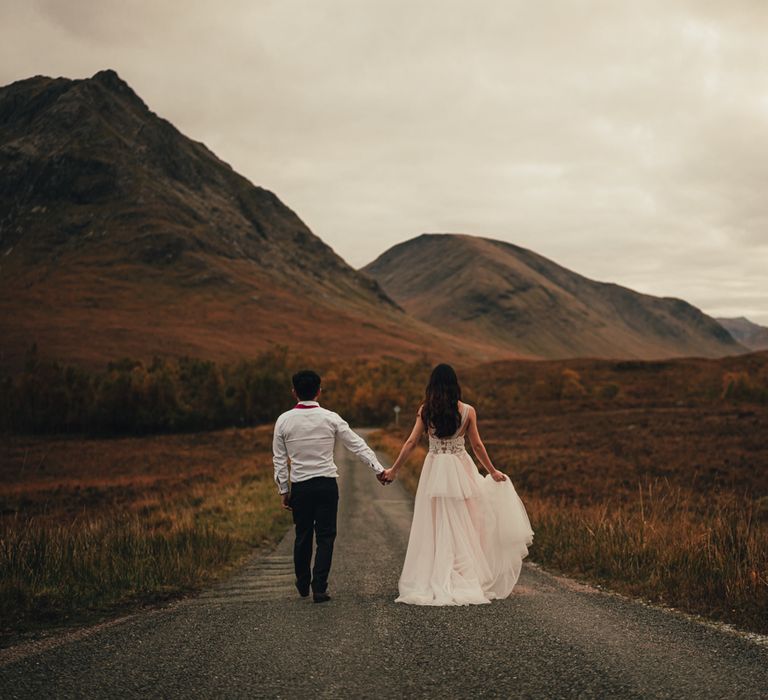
[355, 444]
[280, 458]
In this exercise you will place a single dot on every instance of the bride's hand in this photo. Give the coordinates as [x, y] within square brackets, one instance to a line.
[387, 476]
[496, 475]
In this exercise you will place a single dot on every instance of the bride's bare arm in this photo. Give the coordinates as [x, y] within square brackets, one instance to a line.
[408, 445]
[479, 448]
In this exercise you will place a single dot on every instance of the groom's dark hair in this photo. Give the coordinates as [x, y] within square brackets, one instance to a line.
[306, 384]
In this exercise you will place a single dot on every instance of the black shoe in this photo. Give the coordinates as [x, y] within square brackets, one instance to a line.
[321, 597]
[303, 590]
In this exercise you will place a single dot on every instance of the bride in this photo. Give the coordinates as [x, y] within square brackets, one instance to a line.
[469, 534]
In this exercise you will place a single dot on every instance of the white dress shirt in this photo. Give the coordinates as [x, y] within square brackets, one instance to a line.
[306, 437]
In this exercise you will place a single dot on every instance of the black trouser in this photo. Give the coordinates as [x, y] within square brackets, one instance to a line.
[314, 504]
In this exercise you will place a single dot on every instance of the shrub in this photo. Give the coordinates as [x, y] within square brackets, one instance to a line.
[609, 391]
[741, 386]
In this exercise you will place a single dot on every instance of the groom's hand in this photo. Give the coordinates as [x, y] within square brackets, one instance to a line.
[285, 498]
[382, 477]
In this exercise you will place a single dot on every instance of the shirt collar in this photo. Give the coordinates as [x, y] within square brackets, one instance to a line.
[308, 403]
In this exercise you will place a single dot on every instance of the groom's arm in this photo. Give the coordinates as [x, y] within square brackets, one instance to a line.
[280, 459]
[355, 444]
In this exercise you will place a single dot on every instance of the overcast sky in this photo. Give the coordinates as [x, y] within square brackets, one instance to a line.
[627, 141]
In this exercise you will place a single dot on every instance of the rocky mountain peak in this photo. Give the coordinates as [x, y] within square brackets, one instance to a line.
[103, 203]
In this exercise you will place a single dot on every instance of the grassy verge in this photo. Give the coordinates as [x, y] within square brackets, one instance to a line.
[89, 528]
[670, 537]
[664, 548]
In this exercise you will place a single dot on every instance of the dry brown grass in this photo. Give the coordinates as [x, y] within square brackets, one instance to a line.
[90, 526]
[133, 311]
[669, 504]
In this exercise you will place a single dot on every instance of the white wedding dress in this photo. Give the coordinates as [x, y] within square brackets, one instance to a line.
[469, 533]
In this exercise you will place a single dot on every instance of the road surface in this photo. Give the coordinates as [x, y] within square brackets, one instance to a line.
[252, 636]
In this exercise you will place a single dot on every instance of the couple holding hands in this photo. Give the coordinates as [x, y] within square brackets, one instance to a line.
[469, 533]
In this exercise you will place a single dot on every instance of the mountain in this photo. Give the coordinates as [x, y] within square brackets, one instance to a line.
[749, 334]
[121, 236]
[509, 296]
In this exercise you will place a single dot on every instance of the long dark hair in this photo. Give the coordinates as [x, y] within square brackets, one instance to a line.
[441, 409]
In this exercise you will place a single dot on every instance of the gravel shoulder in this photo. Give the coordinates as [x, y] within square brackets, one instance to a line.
[252, 636]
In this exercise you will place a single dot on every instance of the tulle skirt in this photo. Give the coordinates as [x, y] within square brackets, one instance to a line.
[468, 537]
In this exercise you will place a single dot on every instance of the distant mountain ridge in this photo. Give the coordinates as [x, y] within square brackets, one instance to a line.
[510, 296]
[121, 236]
[749, 334]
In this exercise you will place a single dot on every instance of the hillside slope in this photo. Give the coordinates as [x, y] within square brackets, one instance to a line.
[502, 294]
[121, 236]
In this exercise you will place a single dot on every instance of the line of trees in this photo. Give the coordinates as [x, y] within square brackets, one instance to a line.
[190, 394]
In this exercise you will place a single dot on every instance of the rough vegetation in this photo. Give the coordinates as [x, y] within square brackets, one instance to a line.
[89, 527]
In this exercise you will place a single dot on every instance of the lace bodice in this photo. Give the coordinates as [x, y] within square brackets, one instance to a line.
[446, 445]
[450, 445]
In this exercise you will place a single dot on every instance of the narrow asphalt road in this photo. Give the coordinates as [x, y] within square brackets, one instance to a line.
[252, 636]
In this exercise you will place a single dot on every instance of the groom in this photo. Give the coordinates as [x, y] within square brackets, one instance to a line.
[304, 437]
